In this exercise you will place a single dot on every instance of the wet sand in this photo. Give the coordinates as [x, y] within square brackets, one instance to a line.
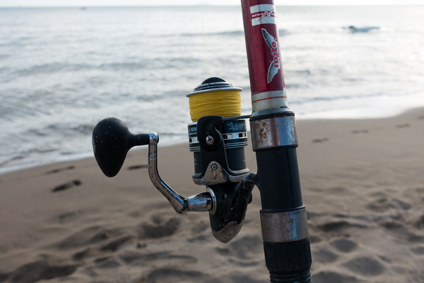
[362, 184]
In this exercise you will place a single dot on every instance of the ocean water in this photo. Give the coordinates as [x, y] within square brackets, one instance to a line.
[64, 69]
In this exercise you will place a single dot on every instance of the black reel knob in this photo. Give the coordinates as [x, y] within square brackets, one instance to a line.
[111, 142]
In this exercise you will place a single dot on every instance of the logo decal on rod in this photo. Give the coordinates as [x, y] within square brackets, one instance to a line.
[262, 14]
[275, 51]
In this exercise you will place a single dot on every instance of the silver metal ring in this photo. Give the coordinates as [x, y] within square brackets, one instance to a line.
[284, 227]
[273, 132]
[213, 210]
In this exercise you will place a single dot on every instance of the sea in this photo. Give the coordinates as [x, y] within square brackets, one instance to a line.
[62, 70]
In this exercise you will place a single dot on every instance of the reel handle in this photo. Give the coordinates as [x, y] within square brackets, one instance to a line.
[111, 142]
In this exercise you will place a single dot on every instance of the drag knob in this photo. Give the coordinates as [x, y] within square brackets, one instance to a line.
[111, 142]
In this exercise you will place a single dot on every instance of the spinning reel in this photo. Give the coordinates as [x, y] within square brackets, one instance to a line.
[217, 144]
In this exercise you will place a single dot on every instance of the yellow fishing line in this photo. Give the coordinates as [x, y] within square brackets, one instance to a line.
[218, 103]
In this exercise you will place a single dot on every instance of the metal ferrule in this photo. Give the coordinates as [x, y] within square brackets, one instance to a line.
[200, 202]
[273, 132]
[214, 203]
[283, 227]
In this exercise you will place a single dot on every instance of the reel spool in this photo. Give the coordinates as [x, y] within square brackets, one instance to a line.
[215, 97]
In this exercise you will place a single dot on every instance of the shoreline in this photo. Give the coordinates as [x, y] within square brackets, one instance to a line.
[329, 115]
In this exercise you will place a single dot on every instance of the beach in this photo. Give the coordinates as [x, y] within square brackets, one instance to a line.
[362, 184]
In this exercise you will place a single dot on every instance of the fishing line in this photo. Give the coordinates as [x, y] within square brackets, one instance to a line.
[214, 96]
[204, 40]
[220, 103]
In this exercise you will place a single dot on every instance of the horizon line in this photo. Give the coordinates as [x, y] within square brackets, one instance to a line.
[210, 5]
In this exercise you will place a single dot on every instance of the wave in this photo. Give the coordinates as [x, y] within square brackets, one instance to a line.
[306, 100]
[354, 29]
[51, 68]
[281, 32]
[223, 33]
[298, 85]
[228, 33]
[140, 64]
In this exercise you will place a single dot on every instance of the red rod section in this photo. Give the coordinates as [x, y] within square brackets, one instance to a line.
[263, 54]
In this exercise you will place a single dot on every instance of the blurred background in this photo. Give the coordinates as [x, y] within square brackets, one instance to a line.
[63, 69]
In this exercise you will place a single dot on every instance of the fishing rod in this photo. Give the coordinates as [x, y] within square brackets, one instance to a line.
[217, 138]
[283, 215]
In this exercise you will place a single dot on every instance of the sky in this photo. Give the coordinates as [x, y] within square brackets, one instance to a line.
[88, 3]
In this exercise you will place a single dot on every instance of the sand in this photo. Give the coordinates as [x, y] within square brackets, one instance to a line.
[362, 184]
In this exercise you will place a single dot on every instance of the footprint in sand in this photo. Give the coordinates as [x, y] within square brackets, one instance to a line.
[137, 258]
[115, 244]
[199, 228]
[112, 245]
[243, 252]
[159, 229]
[166, 275]
[360, 132]
[339, 226]
[106, 263]
[66, 186]
[87, 237]
[40, 270]
[402, 126]
[60, 170]
[383, 204]
[67, 217]
[200, 232]
[313, 239]
[323, 255]
[418, 250]
[200, 238]
[344, 245]
[366, 266]
[320, 140]
[332, 277]
[246, 247]
[3, 276]
[401, 231]
[83, 254]
[137, 167]
[418, 222]
[223, 251]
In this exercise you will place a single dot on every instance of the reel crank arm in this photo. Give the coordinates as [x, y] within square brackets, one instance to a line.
[111, 142]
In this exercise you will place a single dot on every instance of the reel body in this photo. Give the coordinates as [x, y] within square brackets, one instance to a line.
[220, 164]
[217, 144]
